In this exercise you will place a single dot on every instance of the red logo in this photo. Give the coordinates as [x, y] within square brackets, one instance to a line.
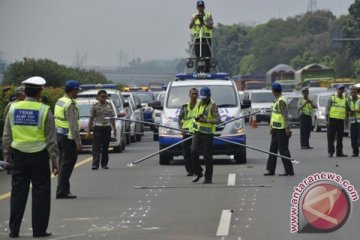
[325, 207]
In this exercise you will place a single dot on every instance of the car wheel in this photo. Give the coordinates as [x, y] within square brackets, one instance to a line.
[164, 159]
[240, 157]
[317, 128]
[118, 149]
[156, 136]
[138, 137]
[128, 138]
[133, 138]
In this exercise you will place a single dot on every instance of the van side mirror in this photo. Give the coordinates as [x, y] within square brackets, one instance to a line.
[126, 104]
[156, 105]
[245, 103]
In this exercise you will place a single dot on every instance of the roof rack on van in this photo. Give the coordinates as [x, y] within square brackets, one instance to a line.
[98, 86]
[192, 76]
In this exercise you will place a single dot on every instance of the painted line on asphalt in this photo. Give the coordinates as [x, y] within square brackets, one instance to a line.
[224, 224]
[231, 179]
[82, 162]
[202, 186]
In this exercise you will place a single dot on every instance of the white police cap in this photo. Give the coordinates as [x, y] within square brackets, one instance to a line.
[37, 81]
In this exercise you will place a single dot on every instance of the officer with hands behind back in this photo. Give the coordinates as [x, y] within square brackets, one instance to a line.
[29, 140]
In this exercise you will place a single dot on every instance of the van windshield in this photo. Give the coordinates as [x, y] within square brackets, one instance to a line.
[224, 96]
[258, 97]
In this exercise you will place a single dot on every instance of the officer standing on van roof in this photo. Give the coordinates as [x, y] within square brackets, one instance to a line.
[103, 115]
[207, 117]
[336, 112]
[353, 107]
[186, 121]
[29, 140]
[68, 136]
[280, 134]
[305, 108]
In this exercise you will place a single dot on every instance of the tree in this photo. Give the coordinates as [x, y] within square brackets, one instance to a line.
[247, 64]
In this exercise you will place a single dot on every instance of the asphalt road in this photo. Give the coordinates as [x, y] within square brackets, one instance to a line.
[150, 201]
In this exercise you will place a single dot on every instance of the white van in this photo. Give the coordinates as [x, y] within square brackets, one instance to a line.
[226, 97]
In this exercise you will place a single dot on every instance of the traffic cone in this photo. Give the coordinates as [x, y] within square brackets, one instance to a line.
[254, 122]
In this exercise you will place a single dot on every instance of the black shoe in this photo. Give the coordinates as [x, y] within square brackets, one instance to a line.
[286, 174]
[68, 196]
[341, 155]
[197, 178]
[106, 167]
[269, 174]
[13, 235]
[45, 234]
[330, 155]
[190, 174]
[94, 168]
[355, 155]
[207, 181]
[309, 147]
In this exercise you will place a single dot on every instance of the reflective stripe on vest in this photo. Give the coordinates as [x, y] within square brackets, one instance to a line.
[27, 120]
[354, 106]
[205, 110]
[61, 118]
[189, 116]
[338, 107]
[307, 109]
[202, 32]
[277, 120]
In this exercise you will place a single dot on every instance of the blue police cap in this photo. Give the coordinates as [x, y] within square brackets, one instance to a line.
[200, 3]
[72, 84]
[205, 92]
[276, 86]
[340, 86]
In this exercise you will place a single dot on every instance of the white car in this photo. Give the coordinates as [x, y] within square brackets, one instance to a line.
[261, 99]
[157, 114]
[118, 143]
[136, 128]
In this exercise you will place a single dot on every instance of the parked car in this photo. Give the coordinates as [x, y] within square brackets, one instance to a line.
[146, 97]
[136, 128]
[114, 95]
[85, 105]
[260, 100]
[157, 114]
[292, 99]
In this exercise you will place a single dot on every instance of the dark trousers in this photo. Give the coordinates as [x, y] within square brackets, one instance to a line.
[355, 137]
[100, 144]
[205, 47]
[31, 168]
[68, 158]
[186, 150]
[279, 143]
[335, 129]
[202, 142]
[305, 130]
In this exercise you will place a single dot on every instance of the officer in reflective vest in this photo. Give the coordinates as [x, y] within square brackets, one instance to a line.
[207, 116]
[29, 141]
[186, 121]
[305, 107]
[68, 136]
[280, 134]
[335, 115]
[354, 118]
[202, 25]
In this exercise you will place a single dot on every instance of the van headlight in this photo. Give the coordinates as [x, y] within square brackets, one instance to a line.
[238, 127]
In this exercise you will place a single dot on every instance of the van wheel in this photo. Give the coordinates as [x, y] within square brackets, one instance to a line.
[156, 136]
[240, 157]
[133, 138]
[123, 143]
[138, 137]
[118, 149]
[128, 138]
[164, 159]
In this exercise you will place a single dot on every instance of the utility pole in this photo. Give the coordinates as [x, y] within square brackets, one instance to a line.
[312, 6]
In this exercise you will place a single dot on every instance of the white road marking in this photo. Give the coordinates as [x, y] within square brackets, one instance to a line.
[231, 179]
[224, 224]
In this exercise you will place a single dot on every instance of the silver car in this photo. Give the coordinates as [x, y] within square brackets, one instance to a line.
[136, 128]
[118, 143]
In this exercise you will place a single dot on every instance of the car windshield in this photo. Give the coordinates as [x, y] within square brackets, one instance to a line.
[145, 97]
[84, 109]
[258, 97]
[323, 100]
[224, 96]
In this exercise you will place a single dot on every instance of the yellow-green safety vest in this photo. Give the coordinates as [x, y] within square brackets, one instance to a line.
[189, 117]
[307, 109]
[354, 106]
[27, 120]
[205, 110]
[202, 31]
[61, 118]
[338, 107]
[277, 120]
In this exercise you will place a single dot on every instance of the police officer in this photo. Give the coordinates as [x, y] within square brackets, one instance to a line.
[354, 118]
[103, 115]
[207, 116]
[305, 108]
[202, 25]
[335, 115]
[29, 140]
[186, 121]
[68, 137]
[280, 134]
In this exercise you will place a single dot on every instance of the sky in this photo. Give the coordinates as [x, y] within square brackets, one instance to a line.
[112, 32]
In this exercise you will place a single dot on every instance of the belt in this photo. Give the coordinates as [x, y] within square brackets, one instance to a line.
[63, 131]
[102, 124]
